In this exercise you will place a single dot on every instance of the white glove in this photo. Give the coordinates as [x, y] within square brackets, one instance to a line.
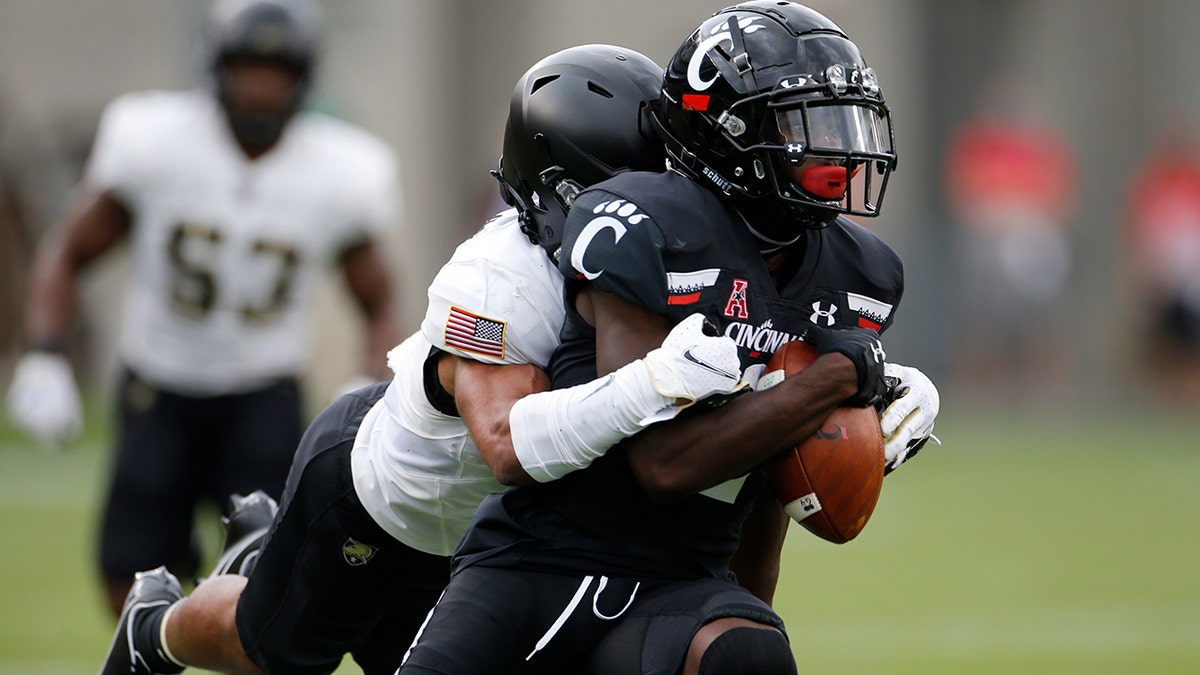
[43, 398]
[907, 421]
[692, 365]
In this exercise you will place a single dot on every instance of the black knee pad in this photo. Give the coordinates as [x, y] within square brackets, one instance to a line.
[748, 651]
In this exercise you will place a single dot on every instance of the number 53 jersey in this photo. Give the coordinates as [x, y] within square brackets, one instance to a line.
[226, 251]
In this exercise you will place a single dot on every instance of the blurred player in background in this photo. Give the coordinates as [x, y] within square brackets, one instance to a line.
[387, 479]
[233, 201]
[1163, 232]
[775, 128]
[13, 260]
[1010, 182]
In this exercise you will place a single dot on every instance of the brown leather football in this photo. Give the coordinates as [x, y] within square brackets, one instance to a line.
[830, 482]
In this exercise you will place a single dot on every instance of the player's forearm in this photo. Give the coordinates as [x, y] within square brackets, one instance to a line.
[557, 432]
[366, 276]
[679, 458]
[383, 333]
[51, 300]
[756, 562]
[494, 440]
[94, 225]
[484, 395]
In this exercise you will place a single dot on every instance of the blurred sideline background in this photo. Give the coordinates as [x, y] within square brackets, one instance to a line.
[1053, 531]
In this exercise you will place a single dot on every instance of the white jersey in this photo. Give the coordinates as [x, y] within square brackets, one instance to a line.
[417, 470]
[227, 251]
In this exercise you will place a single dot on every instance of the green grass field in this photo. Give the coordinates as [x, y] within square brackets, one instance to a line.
[1019, 546]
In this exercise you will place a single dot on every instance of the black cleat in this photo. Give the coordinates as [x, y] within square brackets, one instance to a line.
[246, 527]
[156, 588]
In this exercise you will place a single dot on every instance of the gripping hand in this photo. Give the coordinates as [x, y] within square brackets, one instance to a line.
[693, 364]
[863, 348]
[43, 399]
[908, 417]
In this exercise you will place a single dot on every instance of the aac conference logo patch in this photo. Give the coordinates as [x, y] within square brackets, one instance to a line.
[357, 553]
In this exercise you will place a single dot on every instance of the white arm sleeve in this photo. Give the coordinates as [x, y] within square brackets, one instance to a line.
[557, 432]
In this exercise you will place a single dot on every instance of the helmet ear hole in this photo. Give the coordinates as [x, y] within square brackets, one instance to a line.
[534, 199]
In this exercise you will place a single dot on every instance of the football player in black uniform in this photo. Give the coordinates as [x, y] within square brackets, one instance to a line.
[776, 129]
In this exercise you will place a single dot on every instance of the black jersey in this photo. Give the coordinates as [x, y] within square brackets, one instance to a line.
[666, 243]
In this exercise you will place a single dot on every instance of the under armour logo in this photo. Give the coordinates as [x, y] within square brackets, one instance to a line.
[877, 351]
[819, 313]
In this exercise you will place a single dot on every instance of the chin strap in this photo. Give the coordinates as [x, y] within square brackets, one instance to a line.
[767, 245]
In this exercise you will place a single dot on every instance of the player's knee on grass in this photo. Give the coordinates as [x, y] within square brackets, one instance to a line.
[748, 651]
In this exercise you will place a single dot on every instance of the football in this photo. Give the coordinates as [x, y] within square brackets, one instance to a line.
[830, 482]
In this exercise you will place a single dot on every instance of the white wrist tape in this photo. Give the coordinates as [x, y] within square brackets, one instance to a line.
[557, 432]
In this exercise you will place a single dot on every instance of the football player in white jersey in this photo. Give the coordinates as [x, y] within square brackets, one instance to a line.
[386, 479]
[233, 201]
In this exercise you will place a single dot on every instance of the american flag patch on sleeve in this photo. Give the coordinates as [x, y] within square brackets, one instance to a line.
[474, 333]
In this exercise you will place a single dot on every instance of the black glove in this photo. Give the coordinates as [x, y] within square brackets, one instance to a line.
[863, 348]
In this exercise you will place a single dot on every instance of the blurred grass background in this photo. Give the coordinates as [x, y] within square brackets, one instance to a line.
[1029, 544]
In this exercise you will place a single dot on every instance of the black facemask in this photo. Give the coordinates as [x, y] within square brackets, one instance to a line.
[256, 133]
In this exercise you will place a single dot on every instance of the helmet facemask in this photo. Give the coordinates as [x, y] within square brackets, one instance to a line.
[257, 126]
[834, 148]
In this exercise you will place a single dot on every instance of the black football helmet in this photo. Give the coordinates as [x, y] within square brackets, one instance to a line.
[770, 103]
[283, 32]
[576, 118]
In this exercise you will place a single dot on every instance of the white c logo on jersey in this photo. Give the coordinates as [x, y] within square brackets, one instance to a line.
[585, 239]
